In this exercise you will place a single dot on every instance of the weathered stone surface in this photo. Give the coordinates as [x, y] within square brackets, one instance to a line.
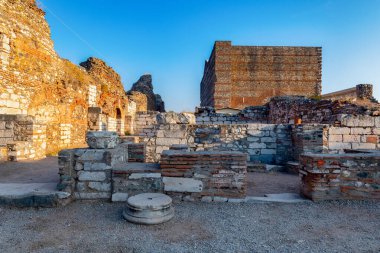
[176, 184]
[91, 176]
[119, 197]
[102, 140]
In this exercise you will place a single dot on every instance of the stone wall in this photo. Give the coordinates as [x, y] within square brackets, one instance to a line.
[241, 76]
[22, 138]
[204, 174]
[360, 91]
[35, 81]
[284, 110]
[340, 176]
[86, 173]
[265, 143]
[252, 114]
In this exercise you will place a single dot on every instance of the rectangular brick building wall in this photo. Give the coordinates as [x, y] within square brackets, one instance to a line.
[241, 76]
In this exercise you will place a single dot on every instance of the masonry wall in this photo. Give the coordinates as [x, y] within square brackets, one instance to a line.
[360, 91]
[241, 76]
[35, 81]
[265, 143]
[346, 176]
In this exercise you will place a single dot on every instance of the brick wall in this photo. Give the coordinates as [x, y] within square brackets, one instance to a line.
[340, 176]
[241, 76]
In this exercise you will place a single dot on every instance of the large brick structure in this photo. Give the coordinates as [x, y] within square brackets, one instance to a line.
[241, 76]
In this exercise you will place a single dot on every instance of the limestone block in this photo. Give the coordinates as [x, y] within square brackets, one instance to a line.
[351, 138]
[144, 175]
[335, 138]
[257, 145]
[339, 145]
[119, 197]
[103, 187]
[268, 151]
[358, 121]
[92, 195]
[339, 130]
[363, 146]
[91, 176]
[377, 122]
[96, 166]
[361, 130]
[268, 139]
[167, 141]
[220, 199]
[256, 133]
[176, 184]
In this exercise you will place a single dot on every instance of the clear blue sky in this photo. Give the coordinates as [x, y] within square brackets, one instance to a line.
[172, 39]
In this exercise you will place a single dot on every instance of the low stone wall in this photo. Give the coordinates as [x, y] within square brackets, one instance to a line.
[22, 137]
[204, 174]
[86, 173]
[340, 176]
[265, 143]
[252, 114]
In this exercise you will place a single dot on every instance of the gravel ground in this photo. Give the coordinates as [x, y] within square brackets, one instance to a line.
[197, 227]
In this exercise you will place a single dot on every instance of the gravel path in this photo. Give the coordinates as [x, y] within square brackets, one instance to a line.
[197, 227]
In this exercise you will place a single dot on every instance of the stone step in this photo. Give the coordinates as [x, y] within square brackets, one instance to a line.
[30, 194]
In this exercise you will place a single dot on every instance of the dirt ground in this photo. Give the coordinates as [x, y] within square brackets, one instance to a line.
[196, 227]
[39, 171]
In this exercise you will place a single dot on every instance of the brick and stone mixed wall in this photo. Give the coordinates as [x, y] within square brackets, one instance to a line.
[266, 143]
[35, 81]
[204, 174]
[22, 138]
[340, 176]
[252, 114]
[241, 76]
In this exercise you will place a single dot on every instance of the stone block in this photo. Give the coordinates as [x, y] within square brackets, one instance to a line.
[206, 199]
[339, 130]
[268, 139]
[96, 166]
[268, 151]
[98, 186]
[119, 197]
[351, 138]
[102, 139]
[220, 199]
[92, 195]
[361, 130]
[91, 176]
[358, 121]
[335, 138]
[257, 145]
[144, 175]
[377, 122]
[339, 145]
[176, 184]
[167, 141]
[363, 146]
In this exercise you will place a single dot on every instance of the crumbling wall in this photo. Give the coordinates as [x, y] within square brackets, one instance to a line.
[360, 91]
[241, 76]
[340, 176]
[252, 114]
[34, 81]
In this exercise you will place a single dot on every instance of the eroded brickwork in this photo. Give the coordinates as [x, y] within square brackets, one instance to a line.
[241, 76]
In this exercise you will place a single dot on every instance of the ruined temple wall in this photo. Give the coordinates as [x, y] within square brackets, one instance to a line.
[241, 76]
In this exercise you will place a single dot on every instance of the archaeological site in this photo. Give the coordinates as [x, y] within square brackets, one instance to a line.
[263, 131]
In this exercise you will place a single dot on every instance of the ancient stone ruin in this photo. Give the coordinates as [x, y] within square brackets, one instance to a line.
[48, 103]
[261, 108]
